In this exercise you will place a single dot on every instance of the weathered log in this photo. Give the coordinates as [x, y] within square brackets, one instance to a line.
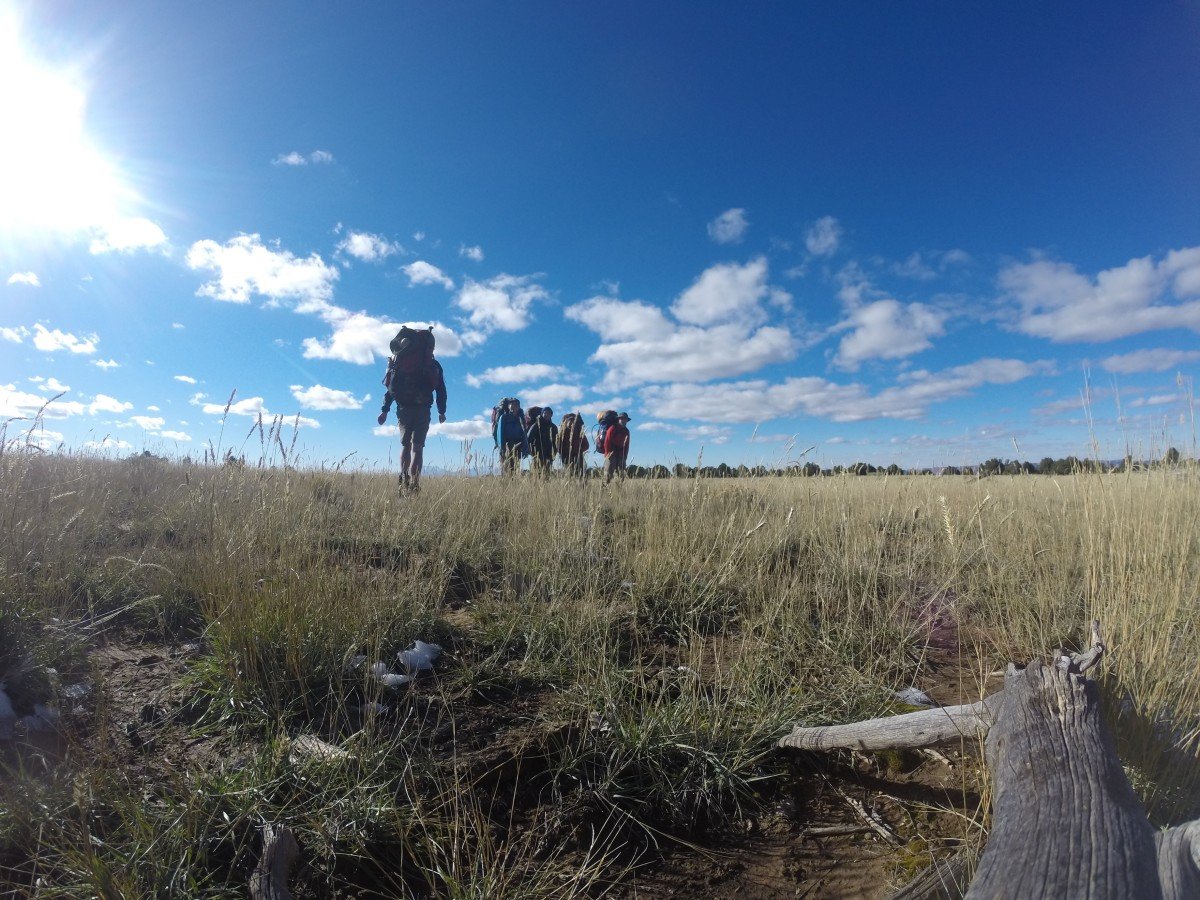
[269, 879]
[1065, 820]
[308, 746]
[943, 879]
[927, 728]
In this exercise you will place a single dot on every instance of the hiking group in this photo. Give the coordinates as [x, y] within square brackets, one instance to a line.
[414, 380]
[519, 433]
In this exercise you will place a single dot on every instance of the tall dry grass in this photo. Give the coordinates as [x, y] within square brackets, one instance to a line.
[660, 634]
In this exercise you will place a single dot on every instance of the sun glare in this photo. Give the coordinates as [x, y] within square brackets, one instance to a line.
[51, 176]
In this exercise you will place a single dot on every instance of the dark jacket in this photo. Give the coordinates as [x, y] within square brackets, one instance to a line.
[543, 439]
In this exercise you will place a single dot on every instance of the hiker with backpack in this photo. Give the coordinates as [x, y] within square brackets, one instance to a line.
[572, 445]
[615, 447]
[412, 381]
[542, 436]
[508, 431]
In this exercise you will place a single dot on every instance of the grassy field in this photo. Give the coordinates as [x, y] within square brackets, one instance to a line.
[617, 666]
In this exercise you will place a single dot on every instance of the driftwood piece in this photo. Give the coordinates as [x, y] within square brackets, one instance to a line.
[943, 879]
[308, 746]
[269, 879]
[1066, 822]
[927, 728]
[1179, 860]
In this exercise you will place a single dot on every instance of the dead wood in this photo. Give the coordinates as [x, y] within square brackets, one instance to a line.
[1065, 820]
[269, 879]
[308, 746]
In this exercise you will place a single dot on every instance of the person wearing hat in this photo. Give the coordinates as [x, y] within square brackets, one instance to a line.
[616, 448]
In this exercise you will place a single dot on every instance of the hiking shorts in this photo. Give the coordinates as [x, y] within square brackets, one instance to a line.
[413, 422]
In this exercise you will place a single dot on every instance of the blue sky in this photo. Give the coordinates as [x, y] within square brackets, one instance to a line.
[912, 233]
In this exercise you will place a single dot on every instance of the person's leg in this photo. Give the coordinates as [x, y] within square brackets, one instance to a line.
[610, 468]
[414, 471]
[417, 457]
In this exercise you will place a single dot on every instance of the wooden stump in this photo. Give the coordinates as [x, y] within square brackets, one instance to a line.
[1065, 820]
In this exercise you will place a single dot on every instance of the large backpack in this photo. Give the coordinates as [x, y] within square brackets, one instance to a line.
[570, 436]
[498, 411]
[532, 415]
[604, 419]
[412, 373]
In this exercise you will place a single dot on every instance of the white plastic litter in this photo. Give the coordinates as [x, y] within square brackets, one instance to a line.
[420, 657]
[914, 697]
[77, 691]
[380, 669]
[392, 680]
[43, 718]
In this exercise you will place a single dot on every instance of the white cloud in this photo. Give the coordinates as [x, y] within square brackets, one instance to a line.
[52, 341]
[1159, 360]
[319, 397]
[1058, 303]
[148, 423]
[28, 278]
[105, 403]
[296, 158]
[823, 237]
[887, 329]
[707, 434]
[475, 254]
[177, 325]
[592, 407]
[725, 293]
[244, 266]
[52, 386]
[175, 435]
[694, 354]
[186, 379]
[253, 407]
[760, 401]
[464, 430]
[16, 335]
[368, 247]
[640, 344]
[16, 404]
[552, 395]
[502, 303]
[518, 374]
[106, 364]
[195, 399]
[915, 267]
[621, 320]
[152, 408]
[109, 443]
[360, 338]
[728, 227]
[127, 235]
[1155, 400]
[421, 272]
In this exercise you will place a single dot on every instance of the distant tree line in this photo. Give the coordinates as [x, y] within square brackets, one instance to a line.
[995, 466]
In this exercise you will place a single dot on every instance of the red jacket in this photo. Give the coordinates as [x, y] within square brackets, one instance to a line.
[616, 442]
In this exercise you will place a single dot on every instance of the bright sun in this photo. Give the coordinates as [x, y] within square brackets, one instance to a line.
[51, 177]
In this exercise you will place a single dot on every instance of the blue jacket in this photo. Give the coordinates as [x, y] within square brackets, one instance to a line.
[510, 430]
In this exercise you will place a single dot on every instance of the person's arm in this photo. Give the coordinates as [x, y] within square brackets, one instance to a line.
[387, 395]
[440, 391]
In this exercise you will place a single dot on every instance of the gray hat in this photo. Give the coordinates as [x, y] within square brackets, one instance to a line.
[624, 416]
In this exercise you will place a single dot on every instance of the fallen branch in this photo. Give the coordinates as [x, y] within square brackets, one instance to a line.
[1065, 821]
[269, 879]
